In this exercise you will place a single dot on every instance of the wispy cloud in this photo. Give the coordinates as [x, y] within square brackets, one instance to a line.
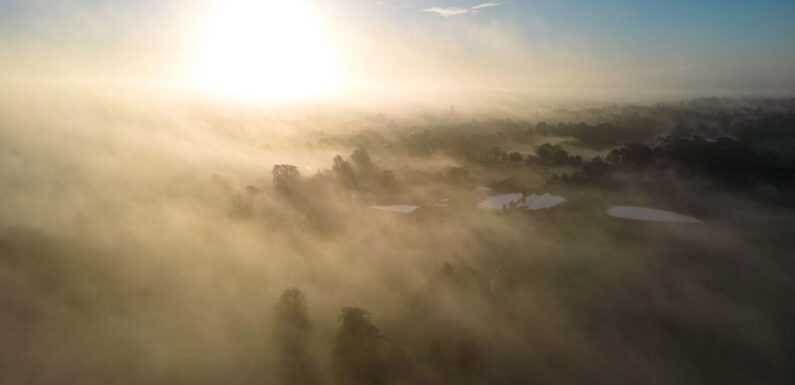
[485, 5]
[456, 11]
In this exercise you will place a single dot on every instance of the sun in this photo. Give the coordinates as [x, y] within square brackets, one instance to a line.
[266, 50]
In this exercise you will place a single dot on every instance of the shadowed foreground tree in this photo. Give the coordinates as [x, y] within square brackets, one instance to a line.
[358, 355]
[292, 333]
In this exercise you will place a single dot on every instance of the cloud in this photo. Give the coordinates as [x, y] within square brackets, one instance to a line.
[455, 11]
[485, 5]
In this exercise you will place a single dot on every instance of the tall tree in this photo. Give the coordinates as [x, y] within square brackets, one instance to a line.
[292, 328]
[285, 177]
[358, 355]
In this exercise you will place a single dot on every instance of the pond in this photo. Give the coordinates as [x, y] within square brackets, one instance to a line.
[402, 209]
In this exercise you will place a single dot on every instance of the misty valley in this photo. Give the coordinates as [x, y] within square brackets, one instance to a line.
[164, 241]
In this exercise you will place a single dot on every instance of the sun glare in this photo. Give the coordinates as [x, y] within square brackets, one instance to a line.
[266, 50]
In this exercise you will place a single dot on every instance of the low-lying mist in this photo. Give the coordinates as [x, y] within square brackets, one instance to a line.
[190, 243]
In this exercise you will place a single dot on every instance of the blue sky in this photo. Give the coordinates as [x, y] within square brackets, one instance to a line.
[734, 44]
[705, 44]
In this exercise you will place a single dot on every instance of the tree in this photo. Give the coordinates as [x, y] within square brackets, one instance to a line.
[544, 152]
[358, 354]
[291, 311]
[496, 154]
[342, 168]
[292, 328]
[515, 157]
[339, 164]
[553, 155]
[559, 155]
[635, 154]
[596, 168]
[362, 160]
[285, 177]
[543, 128]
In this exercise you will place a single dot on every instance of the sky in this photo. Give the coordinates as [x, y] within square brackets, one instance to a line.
[406, 45]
